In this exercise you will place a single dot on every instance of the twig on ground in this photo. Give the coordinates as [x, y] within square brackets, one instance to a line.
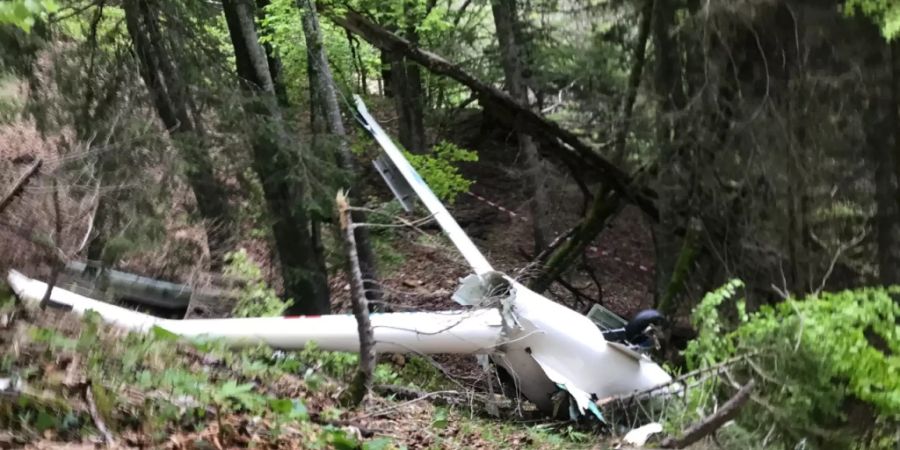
[384, 411]
[19, 184]
[95, 416]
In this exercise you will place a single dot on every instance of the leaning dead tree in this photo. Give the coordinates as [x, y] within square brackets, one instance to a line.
[362, 381]
[619, 187]
[562, 142]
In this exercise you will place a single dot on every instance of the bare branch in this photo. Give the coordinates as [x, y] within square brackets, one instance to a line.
[712, 423]
[95, 416]
[19, 184]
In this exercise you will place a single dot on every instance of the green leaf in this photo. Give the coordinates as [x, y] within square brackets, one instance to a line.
[340, 440]
[281, 405]
[162, 334]
[298, 410]
[45, 421]
[382, 443]
[234, 390]
[441, 419]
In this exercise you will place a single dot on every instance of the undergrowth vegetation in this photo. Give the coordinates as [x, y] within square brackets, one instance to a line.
[440, 172]
[156, 389]
[827, 368]
[255, 297]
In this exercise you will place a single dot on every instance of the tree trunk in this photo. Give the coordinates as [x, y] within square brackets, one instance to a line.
[362, 381]
[274, 158]
[356, 57]
[603, 208]
[670, 97]
[386, 65]
[626, 112]
[506, 21]
[275, 66]
[714, 421]
[170, 98]
[406, 81]
[885, 149]
[322, 82]
[895, 123]
[407, 90]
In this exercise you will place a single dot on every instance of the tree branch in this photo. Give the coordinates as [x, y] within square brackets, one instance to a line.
[19, 184]
[712, 422]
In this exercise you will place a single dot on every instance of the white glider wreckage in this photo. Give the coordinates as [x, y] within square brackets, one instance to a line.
[544, 346]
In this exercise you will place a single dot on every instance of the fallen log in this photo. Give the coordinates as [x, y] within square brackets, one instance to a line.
[712, 422]
[523, 119]
[136, 288]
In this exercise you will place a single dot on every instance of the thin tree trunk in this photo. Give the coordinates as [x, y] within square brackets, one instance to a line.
[274, 62]
[386, 64]
[714, 421]
[406, 80]
[893, 275]
[356, 57]
[409, 95]
[170, 98]
[895, 117]
[56, 263]
[323, 83]
[884, 149]
[506, 21]
[362, 381]
[604, 207]
[670, 98]
[302, 269]
[634, 82]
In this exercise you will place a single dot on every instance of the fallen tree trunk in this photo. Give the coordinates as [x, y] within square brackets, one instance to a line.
[564, 142]
[712, 423]
[144, 290]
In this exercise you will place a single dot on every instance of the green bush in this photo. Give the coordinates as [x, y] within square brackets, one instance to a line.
[827, 366]
[439, 170]
[256, 298]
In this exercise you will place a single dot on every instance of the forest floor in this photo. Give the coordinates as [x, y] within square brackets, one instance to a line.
[74, 383]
